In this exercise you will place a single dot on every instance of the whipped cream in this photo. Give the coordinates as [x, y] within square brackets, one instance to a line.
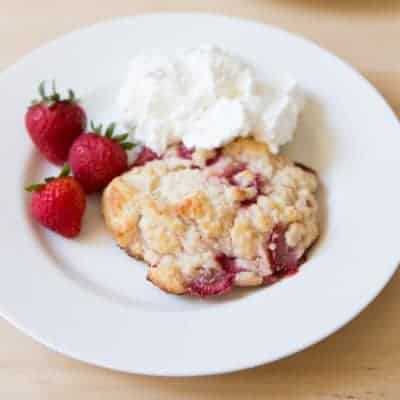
[205, 98]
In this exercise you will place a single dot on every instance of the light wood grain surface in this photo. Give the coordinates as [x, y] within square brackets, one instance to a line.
[362, 361]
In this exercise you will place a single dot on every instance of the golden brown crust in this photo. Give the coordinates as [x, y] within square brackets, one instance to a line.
[116, 201]
[180, 218]
[167, 278]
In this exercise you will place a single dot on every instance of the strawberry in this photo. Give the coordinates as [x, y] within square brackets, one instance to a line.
[145, 155]
[59, 204]
[283, 259]
[96, 159]
[53, 123]
[211, 283]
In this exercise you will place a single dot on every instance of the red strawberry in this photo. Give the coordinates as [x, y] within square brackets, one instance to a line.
[95, 159]
[231, 170]
[213, 160]
[53, 124]
[146, 155]
[284, 260]
[184, 152]
[211, 283]
[228, 264]
[59, 204]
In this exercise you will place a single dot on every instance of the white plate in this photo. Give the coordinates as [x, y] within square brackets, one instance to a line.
[87, 299]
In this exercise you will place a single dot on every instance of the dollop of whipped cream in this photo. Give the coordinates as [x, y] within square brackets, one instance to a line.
[205, 98]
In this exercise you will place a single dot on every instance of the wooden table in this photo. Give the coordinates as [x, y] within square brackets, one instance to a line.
[362, 361]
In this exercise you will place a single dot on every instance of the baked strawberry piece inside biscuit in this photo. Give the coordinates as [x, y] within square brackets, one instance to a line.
[206, 221]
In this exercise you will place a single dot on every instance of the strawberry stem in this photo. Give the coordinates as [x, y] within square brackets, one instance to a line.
[128, 145]
[109, 133]
[65, 171]
[96, 129]
[42, 90]
[71, 96]
[110, 130]
[121, 138]
[35, 187]
[54, 97]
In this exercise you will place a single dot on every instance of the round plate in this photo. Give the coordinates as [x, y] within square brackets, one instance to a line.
[87, 299]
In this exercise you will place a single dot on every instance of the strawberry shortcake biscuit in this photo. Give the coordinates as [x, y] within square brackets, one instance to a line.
[205, 221]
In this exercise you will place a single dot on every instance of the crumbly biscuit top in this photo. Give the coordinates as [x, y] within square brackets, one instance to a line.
[181, 214]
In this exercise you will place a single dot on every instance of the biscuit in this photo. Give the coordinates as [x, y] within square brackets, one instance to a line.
[206, 221]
